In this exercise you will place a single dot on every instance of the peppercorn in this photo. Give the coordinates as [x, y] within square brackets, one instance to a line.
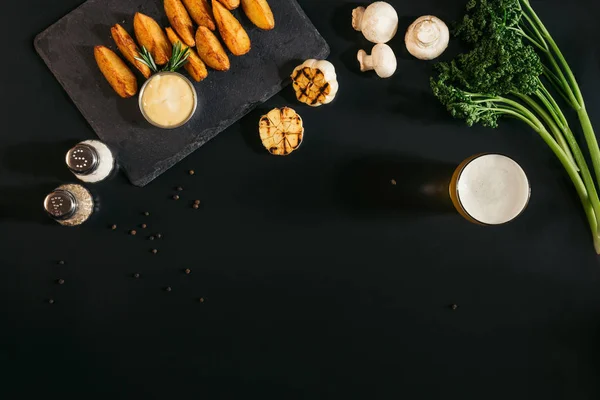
[61, 262]
[188, 271]
[60, 281]
[168, 288]
[113, 227]
[154, 251]
[136, 275]
[146, 213]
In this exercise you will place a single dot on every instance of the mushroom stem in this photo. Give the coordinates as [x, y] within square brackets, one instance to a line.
[427, 33]
[366, 61]
[357, 18]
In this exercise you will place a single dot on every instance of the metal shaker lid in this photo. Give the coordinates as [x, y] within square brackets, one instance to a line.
[60, 204]
[82, 159]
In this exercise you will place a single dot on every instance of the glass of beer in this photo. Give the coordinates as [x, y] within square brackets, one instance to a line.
[489, 189]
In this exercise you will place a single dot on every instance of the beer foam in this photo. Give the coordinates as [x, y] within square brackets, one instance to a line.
[493, 189]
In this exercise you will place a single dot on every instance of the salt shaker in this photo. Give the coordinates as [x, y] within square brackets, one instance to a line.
[91, 161]
[69, 205]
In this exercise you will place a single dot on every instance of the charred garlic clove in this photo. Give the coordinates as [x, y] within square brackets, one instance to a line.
[315, 82]
[427, 37]
[382, 60]
[378, 22]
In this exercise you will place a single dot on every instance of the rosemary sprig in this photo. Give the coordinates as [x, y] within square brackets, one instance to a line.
[146, 58]
[178, 59]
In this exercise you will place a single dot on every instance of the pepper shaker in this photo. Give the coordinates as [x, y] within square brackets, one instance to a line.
[91, 161]
[69, 205]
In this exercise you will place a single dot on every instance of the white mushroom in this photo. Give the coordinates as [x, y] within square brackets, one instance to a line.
[378, 22]
[382, 60]
[427, 37]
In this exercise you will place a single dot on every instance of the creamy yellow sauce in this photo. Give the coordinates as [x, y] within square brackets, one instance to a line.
[168, 100]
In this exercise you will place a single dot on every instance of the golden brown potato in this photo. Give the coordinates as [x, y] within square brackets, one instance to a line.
[230, 4]
[116, 72]
[150, 35]
[129, 49]
[259, 12]
[180, 21]
[201, 13]
[195, 66]
[210, 50]
[232, 32]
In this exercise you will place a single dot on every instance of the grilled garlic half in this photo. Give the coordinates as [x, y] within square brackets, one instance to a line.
[281, 131]
[315, 82]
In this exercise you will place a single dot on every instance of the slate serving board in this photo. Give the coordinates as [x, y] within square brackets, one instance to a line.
[144, 151]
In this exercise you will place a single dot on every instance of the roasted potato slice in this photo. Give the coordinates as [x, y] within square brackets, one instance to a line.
[180, 21]
[151, 36]
[129, 49]
[230, 4]
[235, 37]
[194, 66]
[201, 13]
[210, 50]
[116, 72]
[259, 12]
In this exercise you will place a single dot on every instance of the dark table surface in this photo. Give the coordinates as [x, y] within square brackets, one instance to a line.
[309, 292]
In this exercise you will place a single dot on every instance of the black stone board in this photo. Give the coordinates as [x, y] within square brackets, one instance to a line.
[144, 151]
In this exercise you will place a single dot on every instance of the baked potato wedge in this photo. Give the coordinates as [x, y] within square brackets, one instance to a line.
[151, 36]
[180, 21]
[210, 50]
[194, 66]
[259, 12]
[116, 72]
[201, 13]
[230, 4]
[235, 37]
[129, 49]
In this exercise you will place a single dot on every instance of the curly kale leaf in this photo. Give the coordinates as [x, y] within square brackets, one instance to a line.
[488, 19]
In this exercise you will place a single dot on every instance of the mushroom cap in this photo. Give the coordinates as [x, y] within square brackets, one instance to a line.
[379, 22]
[427, 37]
[384, 60]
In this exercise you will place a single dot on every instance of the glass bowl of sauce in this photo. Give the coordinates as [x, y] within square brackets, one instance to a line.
[168, 100]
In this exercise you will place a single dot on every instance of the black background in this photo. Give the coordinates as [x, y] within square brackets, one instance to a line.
[311, 289]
